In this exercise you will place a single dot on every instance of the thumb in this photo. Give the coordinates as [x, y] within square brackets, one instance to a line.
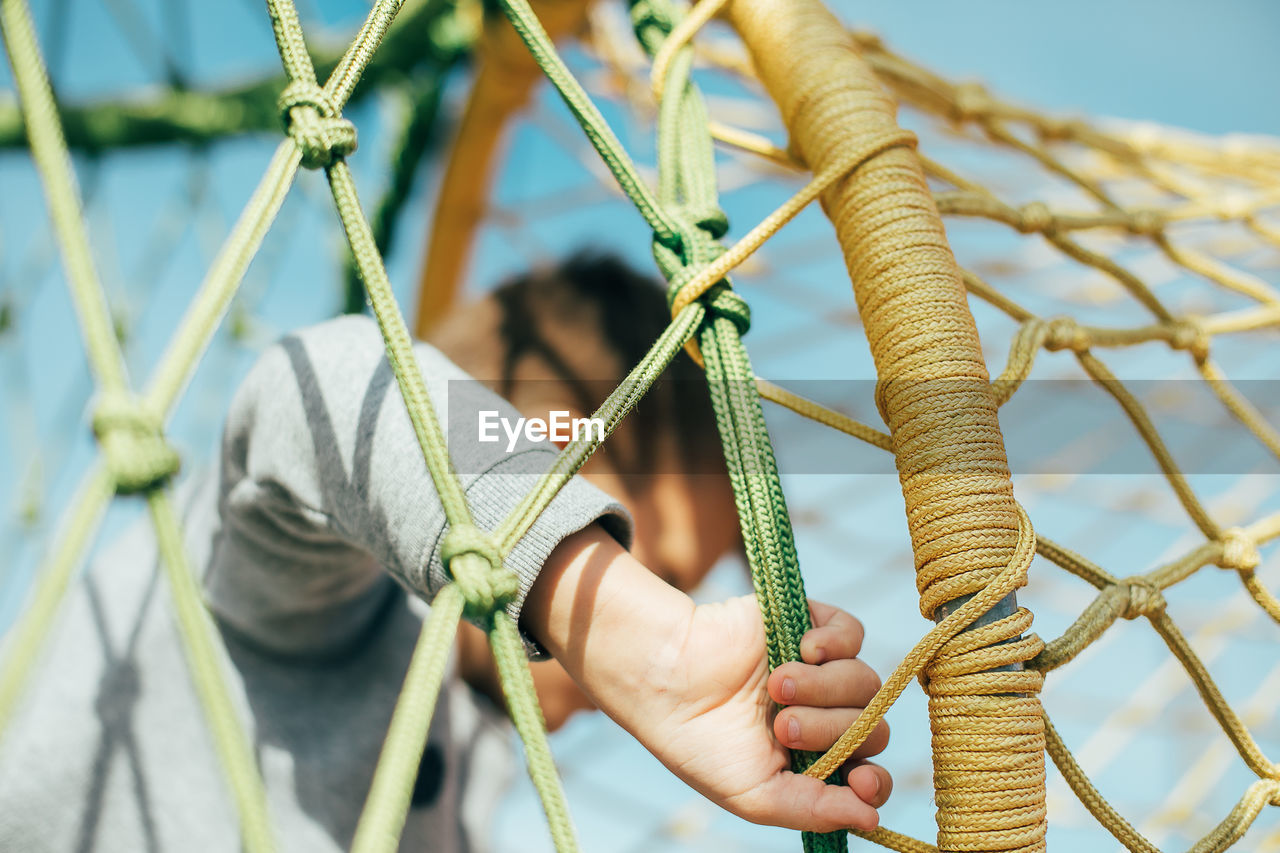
[796, 801]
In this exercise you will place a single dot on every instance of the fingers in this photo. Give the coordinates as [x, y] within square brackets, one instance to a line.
[796, 801]
[836, 634]
[816, 729]
[871, 782]
[825, 693]
[844, 683]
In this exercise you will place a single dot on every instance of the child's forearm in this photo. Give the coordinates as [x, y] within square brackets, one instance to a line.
[693, 685]
[611, 623]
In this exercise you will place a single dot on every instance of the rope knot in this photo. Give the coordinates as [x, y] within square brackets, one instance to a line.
[1035, 218]
[722, 301]
[971, 101]
[1145, 598]
[1065, 333]
[1189, 334]
[316, 124]
[644, 15]
[133, 443]
[718, 298]
[711, 220]
[1062, 128]
[1239, 551]
[485, 588]
[1146, 222]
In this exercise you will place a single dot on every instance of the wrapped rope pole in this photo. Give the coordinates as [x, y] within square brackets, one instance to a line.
[934, 394]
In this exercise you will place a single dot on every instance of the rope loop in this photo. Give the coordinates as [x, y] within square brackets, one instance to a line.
[1190, 334]
[486, 589]
[1065, 333]
[1036, 218]
[133, 443]
[316, 124]
[1239, 551]
[1148, 223]
[971, 101]
[720, 300]
[700, 229]
[1053, 129]
[723, 301]
[645, 16]
[711, 220]
[1145, 598]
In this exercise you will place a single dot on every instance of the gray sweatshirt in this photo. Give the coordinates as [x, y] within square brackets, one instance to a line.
[322, 519]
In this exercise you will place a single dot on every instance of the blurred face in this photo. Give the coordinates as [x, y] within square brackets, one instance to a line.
[684, 523]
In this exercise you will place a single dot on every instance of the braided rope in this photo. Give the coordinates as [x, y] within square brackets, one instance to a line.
[986, 723]
[135, 455]
[971, 541]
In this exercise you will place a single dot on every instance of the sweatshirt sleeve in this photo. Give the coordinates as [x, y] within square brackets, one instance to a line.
[324, 492]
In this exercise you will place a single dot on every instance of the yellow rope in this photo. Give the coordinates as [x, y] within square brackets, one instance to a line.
[971, 540]
[859, 152]
[817, 412]
[752, 143]
[1234, 549]
[681, 35]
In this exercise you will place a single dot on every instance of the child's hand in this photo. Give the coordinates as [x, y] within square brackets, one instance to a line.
[716, 732]
[692, 685]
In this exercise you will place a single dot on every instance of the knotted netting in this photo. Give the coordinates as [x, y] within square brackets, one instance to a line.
[972, 543]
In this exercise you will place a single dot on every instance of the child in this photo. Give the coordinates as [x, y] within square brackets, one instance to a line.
[321, 517]
[559, 340]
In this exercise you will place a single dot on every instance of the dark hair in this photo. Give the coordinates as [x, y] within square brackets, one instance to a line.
[626, 312]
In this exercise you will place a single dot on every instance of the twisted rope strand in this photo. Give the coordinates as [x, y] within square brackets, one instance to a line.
[134, 452]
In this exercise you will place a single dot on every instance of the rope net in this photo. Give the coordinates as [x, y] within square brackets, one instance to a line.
[1202, 205]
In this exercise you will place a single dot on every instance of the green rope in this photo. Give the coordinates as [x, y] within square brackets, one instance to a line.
[201, 648]
[686, 222]
[392, 790]
[315, 123]
[415, 141]
[49, 153]
[196, 329]
[597, 130]
[526, 714]
[687, 185]
[137, 457]
[26, 638]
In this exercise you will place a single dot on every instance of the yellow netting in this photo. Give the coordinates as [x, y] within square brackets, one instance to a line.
[1196, 181]
[1140, 186]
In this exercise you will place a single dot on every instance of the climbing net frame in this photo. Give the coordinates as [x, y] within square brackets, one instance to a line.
[990, 782]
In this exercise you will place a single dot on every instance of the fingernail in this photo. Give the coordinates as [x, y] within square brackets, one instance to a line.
[876, 793]
[819, 655]
[793, 730]
[788, 689]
